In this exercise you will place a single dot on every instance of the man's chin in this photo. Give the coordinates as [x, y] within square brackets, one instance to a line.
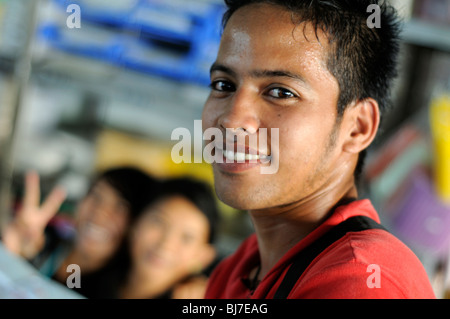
[242, 191]
[236, 204]
[239, 199]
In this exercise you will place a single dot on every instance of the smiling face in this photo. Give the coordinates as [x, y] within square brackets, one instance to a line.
[270, 73]
[170, 241]
[102, 220]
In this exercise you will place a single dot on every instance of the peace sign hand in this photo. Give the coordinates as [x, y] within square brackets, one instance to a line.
[24, 236]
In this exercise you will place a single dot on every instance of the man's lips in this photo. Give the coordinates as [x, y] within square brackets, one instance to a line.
[241, 160]
[241, 153]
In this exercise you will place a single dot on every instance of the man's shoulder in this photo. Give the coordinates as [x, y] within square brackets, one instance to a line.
[368, 264]
[367, 247]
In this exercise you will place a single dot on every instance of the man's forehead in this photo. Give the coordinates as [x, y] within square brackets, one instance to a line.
[271, 27]
[265, 37]
[253, 18]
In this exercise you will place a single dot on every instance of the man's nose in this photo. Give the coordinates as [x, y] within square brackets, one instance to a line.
[241, 114]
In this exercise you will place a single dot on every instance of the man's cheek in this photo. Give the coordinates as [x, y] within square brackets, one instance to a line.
[271, 166]
[293, 160]
[209, 115]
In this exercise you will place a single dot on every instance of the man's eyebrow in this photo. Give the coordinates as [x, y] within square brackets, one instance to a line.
[221, 68]
[260, 73]
[278, 73]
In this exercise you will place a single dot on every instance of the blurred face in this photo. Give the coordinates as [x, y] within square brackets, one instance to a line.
[170, 241]
[102, 220]
[270, 73]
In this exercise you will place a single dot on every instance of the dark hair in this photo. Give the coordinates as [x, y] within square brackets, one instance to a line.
[197, 192]
[134, 185]
[109, 280]
[362, 59]
[138, 189]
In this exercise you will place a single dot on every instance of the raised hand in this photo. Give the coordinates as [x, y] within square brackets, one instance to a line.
[24, 236]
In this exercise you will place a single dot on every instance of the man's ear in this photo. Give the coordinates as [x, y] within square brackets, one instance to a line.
[361, 121]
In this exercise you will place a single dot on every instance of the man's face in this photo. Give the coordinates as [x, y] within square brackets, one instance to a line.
[270, 73]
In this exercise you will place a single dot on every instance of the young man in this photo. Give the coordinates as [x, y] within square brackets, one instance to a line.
[319, 74]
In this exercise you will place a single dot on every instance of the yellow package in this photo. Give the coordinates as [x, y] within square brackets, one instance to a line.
[440, 129]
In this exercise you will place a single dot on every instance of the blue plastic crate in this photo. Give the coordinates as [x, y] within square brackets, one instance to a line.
[106, 46]
[113, 12]
[196, 31]
[160, 19]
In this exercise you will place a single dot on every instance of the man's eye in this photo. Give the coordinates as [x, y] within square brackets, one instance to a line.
[281, 93]
[222, 86]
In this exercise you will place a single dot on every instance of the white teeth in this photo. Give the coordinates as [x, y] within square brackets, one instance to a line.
[240, 157]
[251, 157]
[229, 155]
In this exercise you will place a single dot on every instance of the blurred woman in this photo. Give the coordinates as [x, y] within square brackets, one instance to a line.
[171, 242]
[102, 219]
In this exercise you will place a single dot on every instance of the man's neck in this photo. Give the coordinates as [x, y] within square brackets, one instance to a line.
[280, 229]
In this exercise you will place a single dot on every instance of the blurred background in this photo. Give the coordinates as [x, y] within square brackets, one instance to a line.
[80, 93]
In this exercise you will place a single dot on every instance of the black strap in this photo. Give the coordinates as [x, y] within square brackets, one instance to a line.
[307, 255]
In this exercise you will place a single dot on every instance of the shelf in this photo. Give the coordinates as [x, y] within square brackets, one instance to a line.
[427, 34]
[136, 102]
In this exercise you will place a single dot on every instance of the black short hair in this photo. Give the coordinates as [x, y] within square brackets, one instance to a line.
[362, 59]
[134, 185]
[197, 192]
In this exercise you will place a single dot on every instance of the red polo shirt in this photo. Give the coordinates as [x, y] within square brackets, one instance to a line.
[340, 272]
